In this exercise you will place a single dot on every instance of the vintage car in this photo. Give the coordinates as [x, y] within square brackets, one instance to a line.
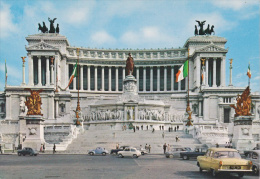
[175, 152]
[254, 156]
[142, 150]
[27, 151]
[129, 152]
[115, 151]
[223, 160]
[98, 151]
[193, 153]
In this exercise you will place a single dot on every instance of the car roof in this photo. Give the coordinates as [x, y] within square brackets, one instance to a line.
[223, 149]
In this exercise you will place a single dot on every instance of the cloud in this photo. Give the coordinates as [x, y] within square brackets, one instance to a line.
[102, 37]
[234, 4]
[11, 71]
[7, 27]
[257, 78]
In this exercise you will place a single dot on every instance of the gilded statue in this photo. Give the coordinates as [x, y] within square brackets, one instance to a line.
[243, 107]
[129, 65]
[33, 102]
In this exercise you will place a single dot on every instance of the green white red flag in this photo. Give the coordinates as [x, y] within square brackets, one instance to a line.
[248, 71]
[183, 72]
[5, 72]
[74, 74]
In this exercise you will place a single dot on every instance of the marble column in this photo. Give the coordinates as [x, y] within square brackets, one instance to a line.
[172, 78]
[151, 78]
[207, 72]
[223, 71]
[88, 78]
[52, 71]
[109, 78]
[103, 78]
[58, 76]
[123, 73]
[144, 78]
[47, 71]
[39, 71]
[198, 75]
[56, 109]
[95, 77]
[165, 78]
[81, 77]
[137, 77]
[50, 106]
[116, 78]
[200, 108]
[30, 69]
[158, 78]
[214, 72]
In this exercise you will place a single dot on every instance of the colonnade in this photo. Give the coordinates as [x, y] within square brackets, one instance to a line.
[110, 78]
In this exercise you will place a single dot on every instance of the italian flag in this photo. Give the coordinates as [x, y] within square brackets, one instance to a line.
[183, 72]
[248, 71]
[74, 74]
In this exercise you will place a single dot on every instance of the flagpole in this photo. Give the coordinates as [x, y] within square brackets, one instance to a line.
[78, 104]
[5, 75]
[188, 79]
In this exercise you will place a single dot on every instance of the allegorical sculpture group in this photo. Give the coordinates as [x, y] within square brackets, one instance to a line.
[45, 29]
[208, 31]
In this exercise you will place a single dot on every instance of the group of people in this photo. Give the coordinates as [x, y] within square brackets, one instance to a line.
[228, 145]
[147, 147]
[42, 149]
[165, 146]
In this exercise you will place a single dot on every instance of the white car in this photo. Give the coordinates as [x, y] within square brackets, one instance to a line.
[129, 152]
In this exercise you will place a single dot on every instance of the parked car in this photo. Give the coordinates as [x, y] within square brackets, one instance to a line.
[98, 151]
[115, 151]
[129, 152]
[27, 151]
[175, 152]
[193, 153]
[246, 152]
[142, 150]
[224, 160]
[254, 156]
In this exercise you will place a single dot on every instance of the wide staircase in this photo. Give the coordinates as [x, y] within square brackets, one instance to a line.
[108, 139]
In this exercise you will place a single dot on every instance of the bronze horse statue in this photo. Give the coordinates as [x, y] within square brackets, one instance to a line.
[52, 28]
[43, 28]
[129, 65]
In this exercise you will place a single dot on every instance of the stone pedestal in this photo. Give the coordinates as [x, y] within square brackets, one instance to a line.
[242, 133]
[33, 125]
[130, 89]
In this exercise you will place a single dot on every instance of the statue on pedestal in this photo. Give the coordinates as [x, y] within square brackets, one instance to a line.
[52, 28]
[129, 65]
[34, 103]
[243, 107]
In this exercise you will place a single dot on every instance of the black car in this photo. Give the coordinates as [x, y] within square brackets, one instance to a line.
[114, 151]
[27, 151]
[193, 153]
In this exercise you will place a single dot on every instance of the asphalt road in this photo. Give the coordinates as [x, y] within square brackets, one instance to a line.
[98, 167]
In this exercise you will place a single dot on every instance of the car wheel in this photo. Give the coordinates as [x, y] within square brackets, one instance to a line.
[104, 153]
[214, 173]
[171, 156]
[185, 157]
[241, 175]
[135, 156]
[19, 154]
[255, 172]
[142, 153]
[91, 153]
[120, 155]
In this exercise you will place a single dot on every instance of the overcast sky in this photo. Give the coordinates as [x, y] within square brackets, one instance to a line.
[132, 24]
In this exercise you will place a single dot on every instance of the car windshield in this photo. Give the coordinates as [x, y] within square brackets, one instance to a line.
[227, 154]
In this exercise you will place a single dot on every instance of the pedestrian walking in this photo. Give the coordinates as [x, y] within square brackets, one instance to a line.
[177, 138]
[163, 135]
[146, 147]
[149, 148]
[164, 148]
[169, 129]
[142, 127]
[1, 149]
[226, 145]
[54, 148]
[117, 146]
[160, 127]
[147, 127]
[217, 146]
[177, 128]
[43, 148]
[134, 128]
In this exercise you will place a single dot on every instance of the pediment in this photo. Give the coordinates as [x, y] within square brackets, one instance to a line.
[211, 48]
[41, 46]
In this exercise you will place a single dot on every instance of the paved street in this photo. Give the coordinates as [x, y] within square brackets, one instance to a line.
[84, 166]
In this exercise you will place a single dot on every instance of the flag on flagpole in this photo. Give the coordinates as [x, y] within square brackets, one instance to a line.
[5, 72]
[248, 71]
[183, 72]
[74, 74]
